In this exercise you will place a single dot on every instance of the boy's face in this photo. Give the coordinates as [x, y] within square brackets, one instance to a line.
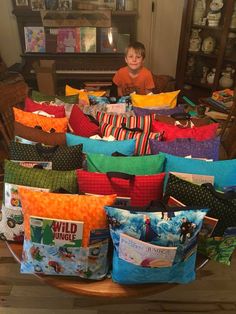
[134, 59]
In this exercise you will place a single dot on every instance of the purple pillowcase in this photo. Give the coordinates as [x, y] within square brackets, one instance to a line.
[182, 147]
[142, 112]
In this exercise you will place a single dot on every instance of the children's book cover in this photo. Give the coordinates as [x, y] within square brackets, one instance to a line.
[34, 39]
[145, 254]
[35, 164]
[195, 178]
[56, 231]
[66, 40]
[88, 39]
[108, 40]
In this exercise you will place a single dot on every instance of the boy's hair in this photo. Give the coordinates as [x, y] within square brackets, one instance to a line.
[138, 48]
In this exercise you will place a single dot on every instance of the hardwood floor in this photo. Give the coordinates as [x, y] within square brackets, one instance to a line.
[212, 292]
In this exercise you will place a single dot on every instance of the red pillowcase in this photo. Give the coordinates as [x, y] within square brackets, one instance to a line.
[141, 189]
[81, 125]
[56, 111]
[171, 132]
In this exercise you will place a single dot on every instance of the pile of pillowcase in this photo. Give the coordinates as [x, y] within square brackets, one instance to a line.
[133, 180]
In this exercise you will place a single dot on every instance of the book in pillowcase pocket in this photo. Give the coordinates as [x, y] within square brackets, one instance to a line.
[145, 254]
[62, 233]
[35, 164]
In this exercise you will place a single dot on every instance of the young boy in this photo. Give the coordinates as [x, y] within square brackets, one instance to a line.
[134, 77]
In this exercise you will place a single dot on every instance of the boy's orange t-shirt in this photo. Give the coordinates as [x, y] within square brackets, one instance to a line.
[138, 84]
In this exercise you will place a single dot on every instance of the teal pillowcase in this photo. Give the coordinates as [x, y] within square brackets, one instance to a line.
[137, 165]
[37, 96]
[152, 247]
[224, 171]
[125, 147]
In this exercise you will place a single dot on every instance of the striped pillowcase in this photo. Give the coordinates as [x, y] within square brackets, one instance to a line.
[142, 122]
[142, 146]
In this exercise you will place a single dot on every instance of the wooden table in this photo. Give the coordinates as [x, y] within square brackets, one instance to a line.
[103, 288]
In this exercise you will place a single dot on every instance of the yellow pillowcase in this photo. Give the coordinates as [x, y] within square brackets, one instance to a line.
[83, 95]
[162, 100]
[89, 209]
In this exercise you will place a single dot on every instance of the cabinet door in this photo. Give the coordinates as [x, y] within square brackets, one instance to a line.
[207, 46]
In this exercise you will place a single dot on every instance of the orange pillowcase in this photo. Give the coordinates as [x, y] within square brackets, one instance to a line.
[89, 209]
[47, 124]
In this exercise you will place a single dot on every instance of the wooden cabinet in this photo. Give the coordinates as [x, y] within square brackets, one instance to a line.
[93, 66]
[207, 49]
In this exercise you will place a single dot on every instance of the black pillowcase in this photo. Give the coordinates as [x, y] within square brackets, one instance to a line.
[195, 195]
[62, 157]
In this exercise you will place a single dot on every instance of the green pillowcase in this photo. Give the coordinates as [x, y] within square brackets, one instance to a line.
[37, 96]
[137, 165]
[49, 179]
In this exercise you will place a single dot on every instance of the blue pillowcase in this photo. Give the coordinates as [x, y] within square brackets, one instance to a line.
[125, 147]
[152, 247]
[182, 147]
[224, 171]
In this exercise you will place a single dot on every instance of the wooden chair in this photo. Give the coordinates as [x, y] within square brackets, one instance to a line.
[163, 83]
[13, 91]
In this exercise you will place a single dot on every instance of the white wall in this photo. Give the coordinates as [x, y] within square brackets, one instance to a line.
[9, 38]
[160, 32]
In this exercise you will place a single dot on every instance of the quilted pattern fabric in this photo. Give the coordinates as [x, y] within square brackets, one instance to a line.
[195, 195]
[142, 146]
[55, 111]
[141, 189]
[34, 120]
[49, 179]
[208, 149]
[62, 157]
[39, 136]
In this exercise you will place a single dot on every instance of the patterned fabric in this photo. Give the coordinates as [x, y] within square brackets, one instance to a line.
[143, 123]
[62, 157]
[171, 132]
[145, 111]
[81, 125]
[34, 120]
[224, 171]
[141, 189]
[208, 149]
[139, 238]
[163, 100]
[55, 111]
[50, 179]
[137, 165]
[68, 207]
[194, 195]
[38, 96]
[39, 136]
[88, 260]
[125, 147]
[142, 139]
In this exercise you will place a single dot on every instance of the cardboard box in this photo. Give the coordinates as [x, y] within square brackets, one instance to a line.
[45, 72]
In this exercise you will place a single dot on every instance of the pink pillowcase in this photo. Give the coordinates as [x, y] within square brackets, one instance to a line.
[171, 132]
[81, 125]
[56, 111]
